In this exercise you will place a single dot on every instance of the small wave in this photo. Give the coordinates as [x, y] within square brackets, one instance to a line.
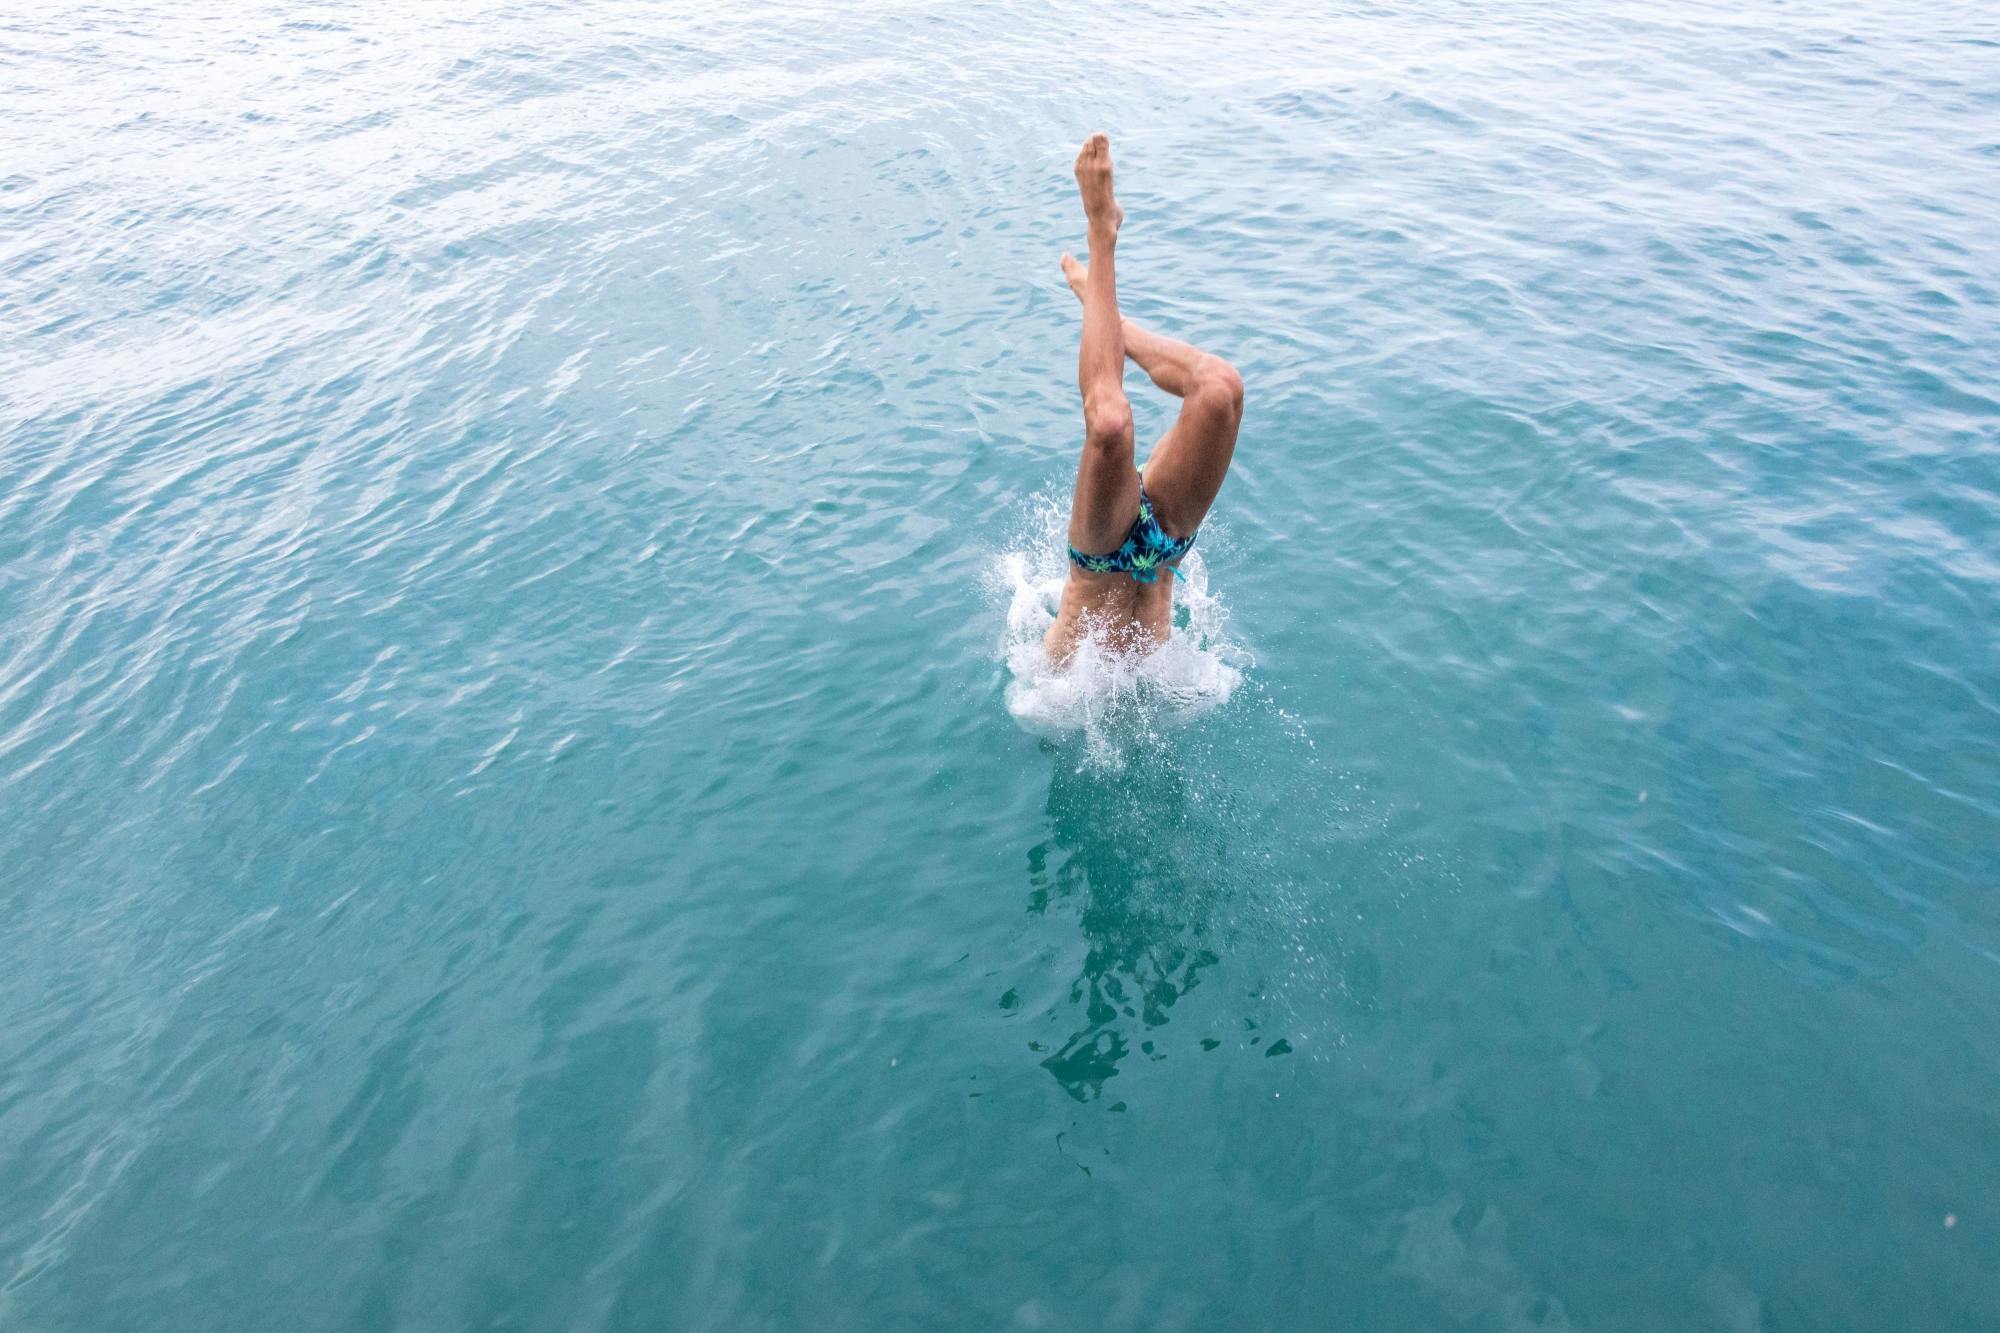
[1105, 690]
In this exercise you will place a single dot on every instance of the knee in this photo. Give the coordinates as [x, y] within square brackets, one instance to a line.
[1107, 424]
[1217, 384]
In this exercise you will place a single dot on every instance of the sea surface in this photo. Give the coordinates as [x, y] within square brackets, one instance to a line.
[524, 802]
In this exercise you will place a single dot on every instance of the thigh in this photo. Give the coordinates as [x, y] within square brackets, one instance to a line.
[1187, 466]
[1106, 503]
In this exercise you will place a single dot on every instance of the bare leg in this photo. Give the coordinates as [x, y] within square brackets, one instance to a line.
[1107, 484]
[1188, 464]
[1171, 364]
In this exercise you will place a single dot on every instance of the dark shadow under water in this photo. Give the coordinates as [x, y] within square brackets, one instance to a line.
[1141, 854]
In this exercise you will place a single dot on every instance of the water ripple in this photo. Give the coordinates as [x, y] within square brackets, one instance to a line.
[508, 808]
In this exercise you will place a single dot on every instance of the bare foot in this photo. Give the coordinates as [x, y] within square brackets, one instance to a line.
[1093, 181]
[1077, 273]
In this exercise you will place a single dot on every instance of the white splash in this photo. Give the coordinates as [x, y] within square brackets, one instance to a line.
[1194, 672]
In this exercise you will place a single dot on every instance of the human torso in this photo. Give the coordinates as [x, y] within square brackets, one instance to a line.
[1131, 614]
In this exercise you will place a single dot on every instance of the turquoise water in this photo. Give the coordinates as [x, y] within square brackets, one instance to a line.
[517, 810]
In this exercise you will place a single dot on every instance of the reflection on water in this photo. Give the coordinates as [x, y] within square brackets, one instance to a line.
[1140, 855]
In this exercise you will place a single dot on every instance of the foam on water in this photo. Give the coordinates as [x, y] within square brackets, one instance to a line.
[1104, 685]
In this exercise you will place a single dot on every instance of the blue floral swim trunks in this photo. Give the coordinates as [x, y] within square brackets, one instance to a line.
[1147, 547]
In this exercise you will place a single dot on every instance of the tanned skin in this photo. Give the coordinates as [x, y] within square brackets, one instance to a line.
[1187, 465]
